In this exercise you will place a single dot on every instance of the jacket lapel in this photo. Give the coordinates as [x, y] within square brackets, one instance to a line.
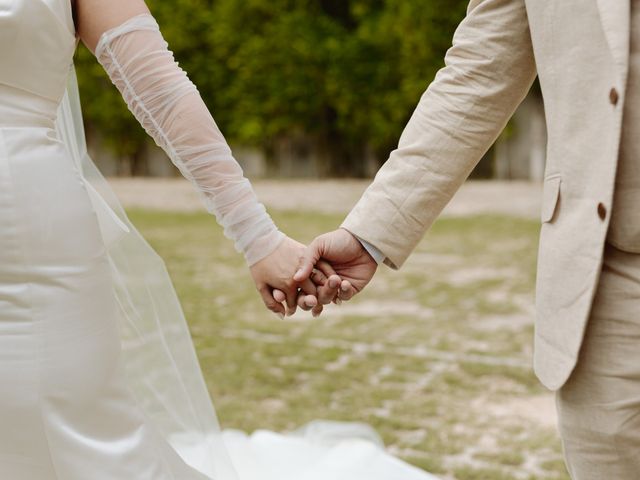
[616, 18]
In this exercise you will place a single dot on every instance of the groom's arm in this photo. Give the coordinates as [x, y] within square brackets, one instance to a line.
[488, 71]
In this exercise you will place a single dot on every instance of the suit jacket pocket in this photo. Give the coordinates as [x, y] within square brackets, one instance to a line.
[550, 198]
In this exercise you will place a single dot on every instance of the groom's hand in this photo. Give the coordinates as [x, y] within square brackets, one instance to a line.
[348, 258]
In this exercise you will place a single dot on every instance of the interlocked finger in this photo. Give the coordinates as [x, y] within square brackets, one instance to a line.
[279, 296]
[328, 292]
[270, 302]
[326, 268]
[307, 302]
[346, 291]
[318, 277]
[307, 295]
[317, 310]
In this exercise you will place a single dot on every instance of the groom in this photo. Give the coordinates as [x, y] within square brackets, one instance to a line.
[586, 54]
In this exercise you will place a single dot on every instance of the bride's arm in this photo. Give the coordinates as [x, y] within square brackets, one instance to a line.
[127, 42]
[94, 17]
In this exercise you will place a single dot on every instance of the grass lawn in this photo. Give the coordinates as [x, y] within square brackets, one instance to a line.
[436, 357]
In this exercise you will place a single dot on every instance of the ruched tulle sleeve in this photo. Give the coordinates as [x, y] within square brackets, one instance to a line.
[169, 107]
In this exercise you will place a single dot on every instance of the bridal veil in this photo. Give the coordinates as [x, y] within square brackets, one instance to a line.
[159, 357]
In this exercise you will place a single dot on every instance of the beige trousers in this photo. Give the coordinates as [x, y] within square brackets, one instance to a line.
[599, 407]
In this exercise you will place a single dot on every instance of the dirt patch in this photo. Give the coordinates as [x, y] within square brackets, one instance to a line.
[329, 196]
[539, 409]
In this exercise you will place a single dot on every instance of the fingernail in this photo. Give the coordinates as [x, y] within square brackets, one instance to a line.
[338, 301]
[298, 273]
[280, 316]
[344, 288]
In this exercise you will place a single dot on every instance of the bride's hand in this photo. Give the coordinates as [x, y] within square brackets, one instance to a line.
[275, 272]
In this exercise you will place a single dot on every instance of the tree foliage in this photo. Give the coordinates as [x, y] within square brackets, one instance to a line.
[347, 73]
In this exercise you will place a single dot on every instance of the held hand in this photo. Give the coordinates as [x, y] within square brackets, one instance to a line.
[347, 258]
[328, 285]
[276, 272]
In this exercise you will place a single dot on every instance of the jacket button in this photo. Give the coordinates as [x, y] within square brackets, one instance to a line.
[602, 211]
[614, 96]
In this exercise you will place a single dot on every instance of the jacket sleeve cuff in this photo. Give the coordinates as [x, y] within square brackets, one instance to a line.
[375, 253]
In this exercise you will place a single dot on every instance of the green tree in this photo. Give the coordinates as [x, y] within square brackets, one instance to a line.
[344, 73]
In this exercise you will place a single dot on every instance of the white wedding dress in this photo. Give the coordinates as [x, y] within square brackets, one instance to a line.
[98, 375]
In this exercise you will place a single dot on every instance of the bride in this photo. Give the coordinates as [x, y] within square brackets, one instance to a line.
[98, 372]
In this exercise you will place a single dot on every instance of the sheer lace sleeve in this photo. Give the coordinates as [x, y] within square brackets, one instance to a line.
[169, 107]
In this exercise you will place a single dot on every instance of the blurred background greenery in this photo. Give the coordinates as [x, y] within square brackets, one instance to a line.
[341, 77]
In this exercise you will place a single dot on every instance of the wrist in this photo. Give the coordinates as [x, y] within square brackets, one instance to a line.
[376, 255]
[263, 246]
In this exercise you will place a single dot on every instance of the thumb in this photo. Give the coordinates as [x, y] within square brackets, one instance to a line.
[308, 260]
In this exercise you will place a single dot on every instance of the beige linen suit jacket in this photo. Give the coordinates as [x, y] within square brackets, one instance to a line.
[580, 51]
